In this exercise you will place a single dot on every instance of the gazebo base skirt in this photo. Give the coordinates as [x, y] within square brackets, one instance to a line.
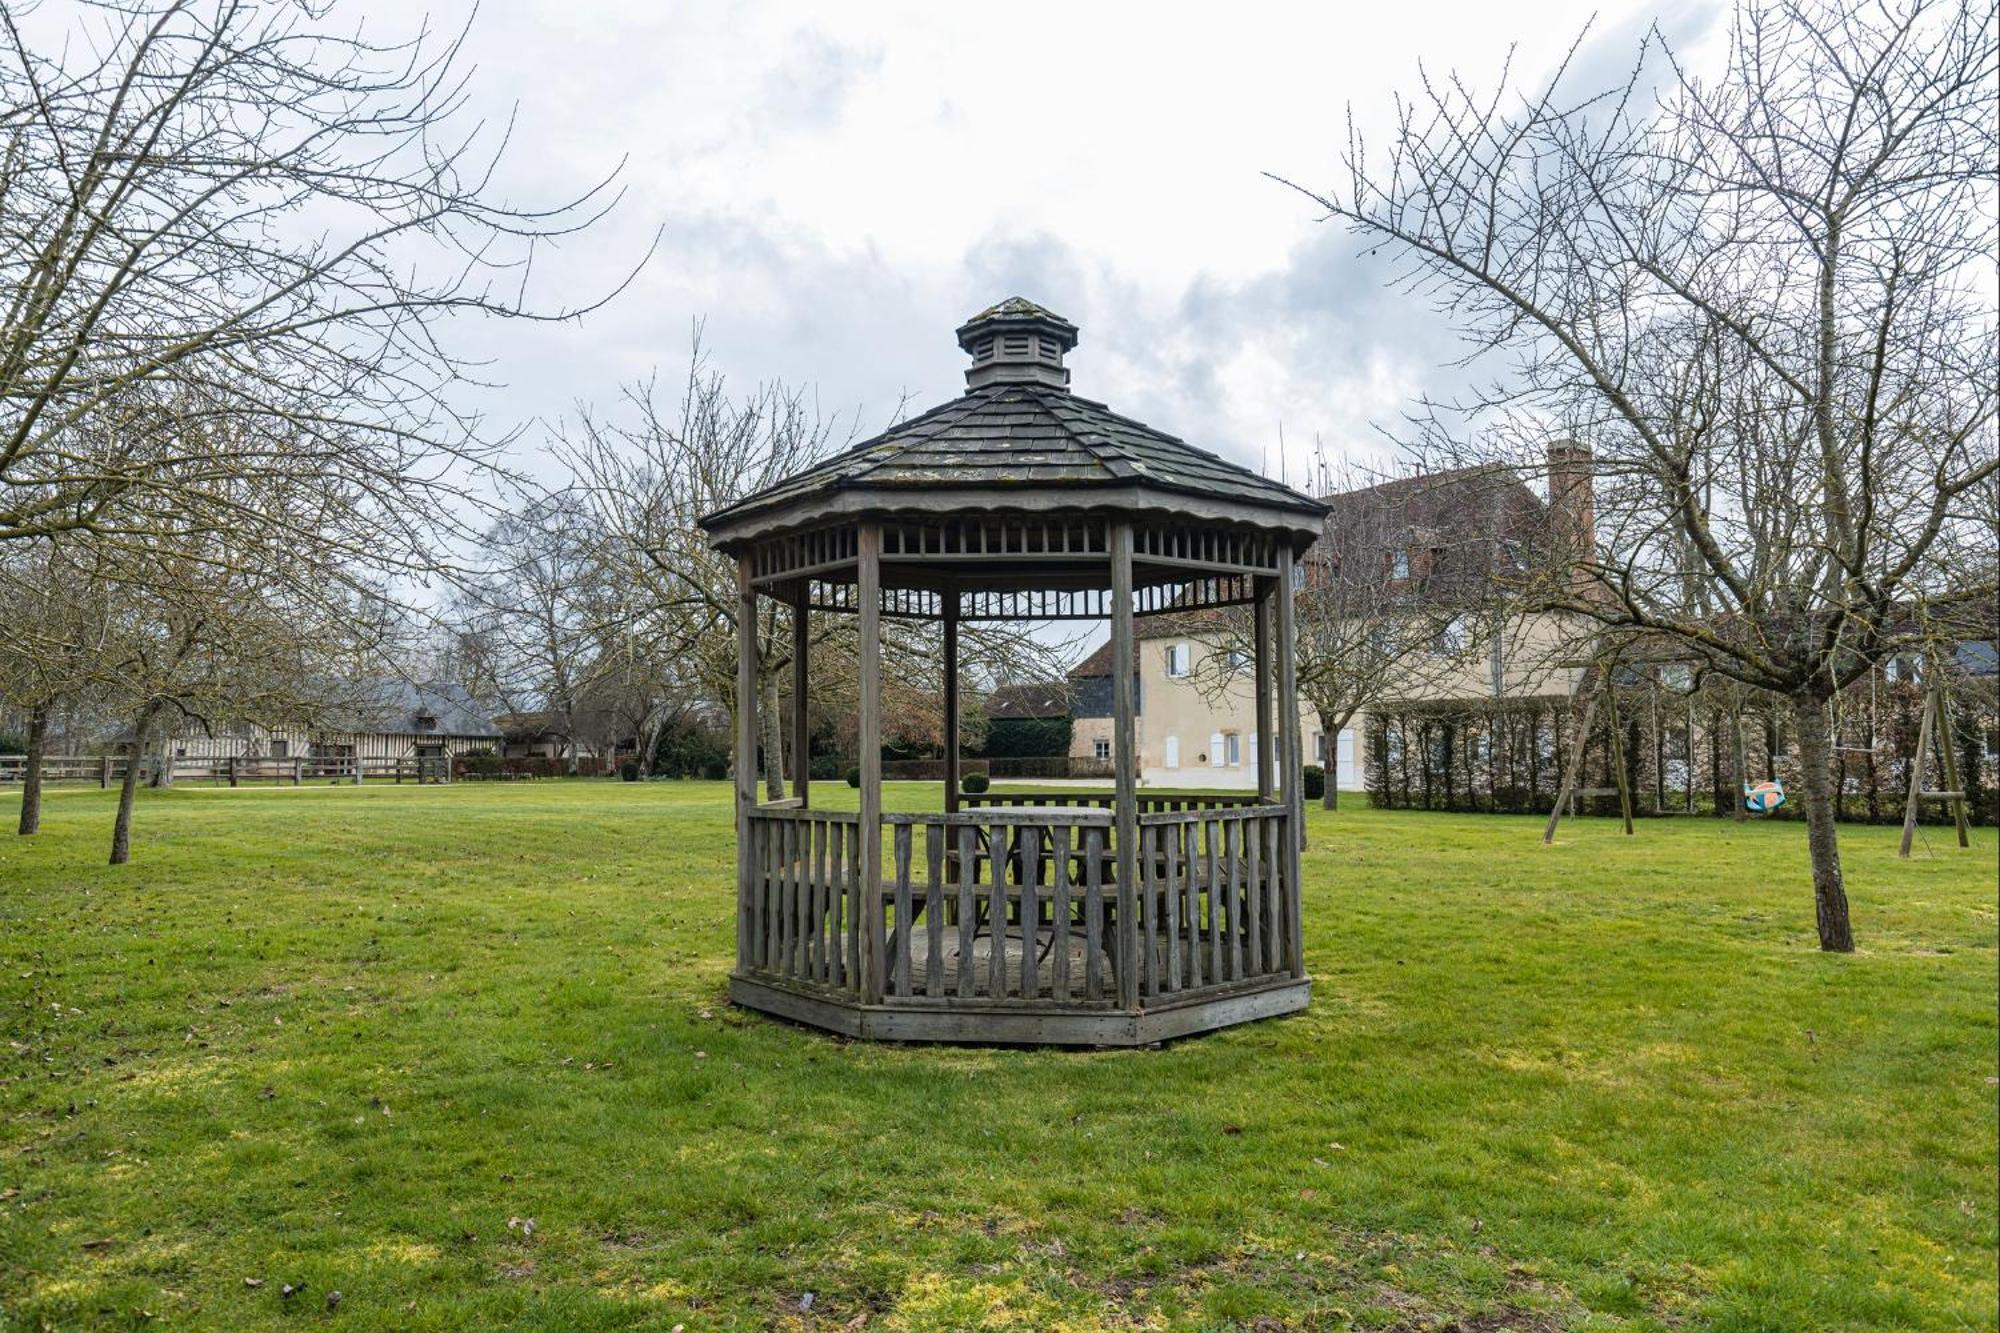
[1023, 1024]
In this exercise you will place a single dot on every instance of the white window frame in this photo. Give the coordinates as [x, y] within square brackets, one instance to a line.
[1180, 660]
[1399, 563]
[1232, 746]
[1100, 749]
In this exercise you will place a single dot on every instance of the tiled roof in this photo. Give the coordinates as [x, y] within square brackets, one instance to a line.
[1037, 699]
[1029, 437]
[1460, 529]
[391, 704]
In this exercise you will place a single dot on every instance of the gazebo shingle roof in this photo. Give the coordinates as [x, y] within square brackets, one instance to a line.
[1031, 437]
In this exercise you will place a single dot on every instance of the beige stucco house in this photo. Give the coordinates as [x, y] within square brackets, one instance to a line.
[1195, 721]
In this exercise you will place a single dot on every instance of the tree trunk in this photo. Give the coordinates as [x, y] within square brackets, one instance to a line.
[1738, 811]
[774, 740]
[31, 770]
[1329, 798]
[121, 831]
[1836, 934]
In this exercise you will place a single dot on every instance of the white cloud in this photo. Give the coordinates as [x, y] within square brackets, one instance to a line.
[840, 187]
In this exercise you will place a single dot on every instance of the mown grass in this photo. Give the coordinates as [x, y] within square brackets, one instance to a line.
[351, 1039]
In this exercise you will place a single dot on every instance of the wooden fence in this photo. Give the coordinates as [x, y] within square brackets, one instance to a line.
[108, 770]
[1015, 902]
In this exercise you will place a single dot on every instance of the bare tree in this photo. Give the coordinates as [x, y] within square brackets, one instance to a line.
[1766, 301]
[649, 474]
[537, 606]
[57, 621]
[258, 221]
[646, 479]
[200, 643]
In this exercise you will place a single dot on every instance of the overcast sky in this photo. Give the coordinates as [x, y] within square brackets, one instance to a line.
[836, 189]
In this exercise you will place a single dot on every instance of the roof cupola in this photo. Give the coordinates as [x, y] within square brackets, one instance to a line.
[1017, 342]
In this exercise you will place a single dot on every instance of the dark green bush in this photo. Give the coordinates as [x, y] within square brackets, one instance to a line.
[481, 762]
[692, 749]
[854, 777]
[1012, 737]
[629, 770]
[1312, 782]
[974, 783]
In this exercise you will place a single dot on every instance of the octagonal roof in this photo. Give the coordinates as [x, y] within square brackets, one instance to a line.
[1020, 439]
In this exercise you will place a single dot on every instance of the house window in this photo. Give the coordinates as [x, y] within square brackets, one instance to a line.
[1451, 637]
[1233, 747]
[1319, 748]
[1173, 752]
[1101, 749]
[427, 722]
[1177, 660]
[1399, 565]
[281, 749]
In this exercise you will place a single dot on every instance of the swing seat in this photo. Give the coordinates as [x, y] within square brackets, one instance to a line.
[1764, 797]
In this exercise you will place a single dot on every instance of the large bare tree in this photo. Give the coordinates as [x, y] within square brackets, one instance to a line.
[1766, 299]
[537, 606]
[255, 217]
[651, 468]
[56, 619]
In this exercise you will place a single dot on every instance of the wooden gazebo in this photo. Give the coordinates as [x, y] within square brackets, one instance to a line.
[1073, 916]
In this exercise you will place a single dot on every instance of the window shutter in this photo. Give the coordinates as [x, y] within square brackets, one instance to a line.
[1215, 750]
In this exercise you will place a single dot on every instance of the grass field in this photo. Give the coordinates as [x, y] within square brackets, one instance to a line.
[352, 1040]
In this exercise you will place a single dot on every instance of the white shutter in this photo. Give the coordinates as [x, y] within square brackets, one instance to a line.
[1215, 750]
[1173, 752]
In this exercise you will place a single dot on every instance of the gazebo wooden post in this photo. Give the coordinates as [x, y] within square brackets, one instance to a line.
[1260, 669]
[801, 678]
[868, 574]
[1124, 758]
[1288, 722]
[951, 766]
[746, 756]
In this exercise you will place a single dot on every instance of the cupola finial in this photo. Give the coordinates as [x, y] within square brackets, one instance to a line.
[1017, 342]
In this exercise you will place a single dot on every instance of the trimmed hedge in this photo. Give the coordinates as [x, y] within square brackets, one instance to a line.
[1506, 756]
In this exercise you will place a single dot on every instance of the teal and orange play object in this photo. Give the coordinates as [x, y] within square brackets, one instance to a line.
[1764, 797]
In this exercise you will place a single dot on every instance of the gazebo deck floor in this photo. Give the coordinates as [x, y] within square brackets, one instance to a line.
[1014, 1021]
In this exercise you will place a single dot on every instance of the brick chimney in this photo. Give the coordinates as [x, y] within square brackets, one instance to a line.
[1572, 501]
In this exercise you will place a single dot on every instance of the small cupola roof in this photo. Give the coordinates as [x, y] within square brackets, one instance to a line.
[1016, 342]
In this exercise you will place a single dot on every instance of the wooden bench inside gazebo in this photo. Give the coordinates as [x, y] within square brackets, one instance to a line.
[1074, 917]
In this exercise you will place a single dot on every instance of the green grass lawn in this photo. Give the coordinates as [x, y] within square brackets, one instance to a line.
[354, 1038]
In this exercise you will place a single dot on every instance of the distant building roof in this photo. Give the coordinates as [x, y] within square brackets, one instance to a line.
[1032, 700]
[392, 704]
[1459, 528]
